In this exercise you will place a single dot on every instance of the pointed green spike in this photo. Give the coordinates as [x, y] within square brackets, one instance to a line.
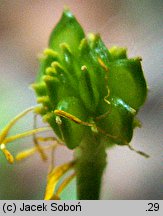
[69, 61]
[89, 58]
[88, 90]
[68, 31]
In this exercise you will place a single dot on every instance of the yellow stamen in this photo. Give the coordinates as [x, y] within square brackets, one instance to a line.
[5, 131]
[29, 152]
[24, 154]
[54, 176]
[7, 154]
[36, 143]
[72, 118]
[78, 121]
[25, 134]
[64, 184]
[46, 139]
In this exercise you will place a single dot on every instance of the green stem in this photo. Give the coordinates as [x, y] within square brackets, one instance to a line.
[91, 161]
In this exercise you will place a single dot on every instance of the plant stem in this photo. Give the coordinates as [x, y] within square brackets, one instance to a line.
[90, 164]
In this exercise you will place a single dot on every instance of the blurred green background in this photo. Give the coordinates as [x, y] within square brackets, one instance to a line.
[24, 30]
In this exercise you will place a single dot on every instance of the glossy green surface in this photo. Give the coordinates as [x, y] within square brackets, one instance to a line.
[81, 76]
[72, 105]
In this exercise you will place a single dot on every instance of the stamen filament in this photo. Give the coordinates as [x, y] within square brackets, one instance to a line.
[54, 176]
[78, 121]
[5, 131]
[64, 184]
[29, 152]
[72, 118]
[25, 134]
[139, 152]
[36, 143]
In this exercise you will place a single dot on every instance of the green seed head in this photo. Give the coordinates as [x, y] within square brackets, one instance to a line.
[80, 76]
